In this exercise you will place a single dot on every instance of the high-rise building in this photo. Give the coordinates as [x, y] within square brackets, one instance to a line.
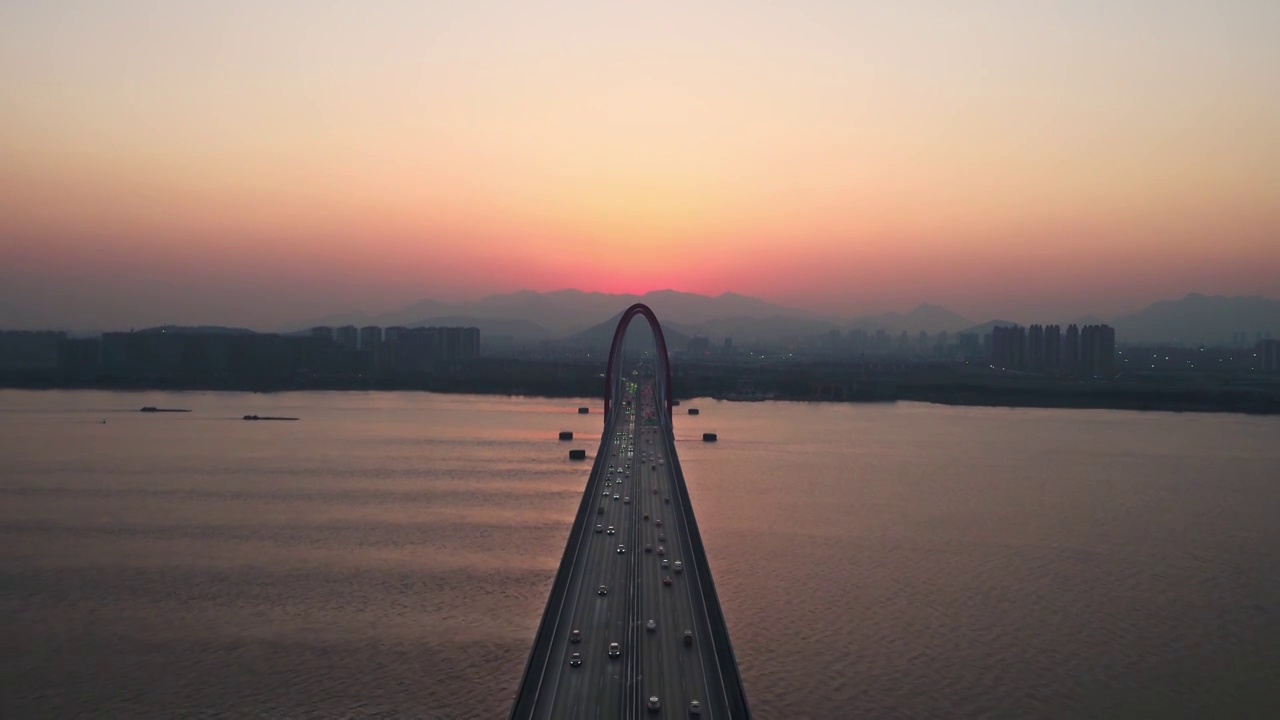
[322, 332]
[470, 343]
[1052, 347]
[1035, 347]
[1071, 348]
[1269, 354]
[1097, 350]
[370, 337]
[347, 337]
[1009, 347]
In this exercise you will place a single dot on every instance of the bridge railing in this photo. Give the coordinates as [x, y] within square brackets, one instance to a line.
[526, 701]
[734, 694]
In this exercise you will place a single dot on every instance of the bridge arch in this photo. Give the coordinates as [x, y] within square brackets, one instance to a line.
[615, 358]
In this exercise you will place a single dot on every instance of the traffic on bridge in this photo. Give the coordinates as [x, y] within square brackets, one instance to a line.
[633, 627]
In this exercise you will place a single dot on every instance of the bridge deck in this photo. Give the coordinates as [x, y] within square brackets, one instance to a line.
[637, 464]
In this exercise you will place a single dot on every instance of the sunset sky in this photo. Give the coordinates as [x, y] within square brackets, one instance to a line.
[255, 162]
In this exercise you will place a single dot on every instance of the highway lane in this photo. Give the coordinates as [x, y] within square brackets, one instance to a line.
[651, 663]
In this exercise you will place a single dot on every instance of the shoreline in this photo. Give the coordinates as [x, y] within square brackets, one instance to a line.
[1101, 397]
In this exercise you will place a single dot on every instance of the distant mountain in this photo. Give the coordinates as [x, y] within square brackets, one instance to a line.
[749, 330]
[1086, 320]
[599, 337]
[986, 327]
[566, 312]
[928, 318]
[516, 329]
[197, 330]
[1196, 319]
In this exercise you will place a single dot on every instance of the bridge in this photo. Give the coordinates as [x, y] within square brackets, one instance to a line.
[633, 626]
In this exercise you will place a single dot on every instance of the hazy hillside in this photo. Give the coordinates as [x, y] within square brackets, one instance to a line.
[599, 337]
[516, 329]
[566, 312]
[1200, 319]
[986, 327]
[928, 318]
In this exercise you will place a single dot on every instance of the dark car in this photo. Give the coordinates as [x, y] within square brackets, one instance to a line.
[614, 650]
[599, 528]
[602, 590]
[654, 704]
[621, 549]
[666, 580]
[648, 548]
[575, 659]
[657, 521]
[695, 708]
[688, 638]
[575, 635]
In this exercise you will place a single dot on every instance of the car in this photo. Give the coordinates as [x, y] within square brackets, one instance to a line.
[666, 562]
[575, 659]
[648, 548]
[654, 704]
[602, 590]
[695, 708]
[600, 510]
[621, 549]
[688, 638]
[655, 491]
[666, 580]
[657, 521]
[615, 497]
[662, 537]
[614, 650]
[667, 499]
[575, 635]
[599, 528]
[679, 567]
[626, 500]
[661, 551]
[646, 516]
[610, 530]
[651, 626]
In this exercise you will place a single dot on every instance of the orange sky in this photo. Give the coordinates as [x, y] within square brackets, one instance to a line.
[286, 162]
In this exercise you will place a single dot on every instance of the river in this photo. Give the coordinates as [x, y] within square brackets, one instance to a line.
[389, 554]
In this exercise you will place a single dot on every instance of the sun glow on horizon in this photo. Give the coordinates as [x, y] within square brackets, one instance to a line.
[817, 153]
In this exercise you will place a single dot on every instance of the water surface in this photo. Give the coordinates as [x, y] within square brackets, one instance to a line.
[390, 554]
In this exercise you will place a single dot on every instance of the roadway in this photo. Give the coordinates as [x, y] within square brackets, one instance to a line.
[650, 663]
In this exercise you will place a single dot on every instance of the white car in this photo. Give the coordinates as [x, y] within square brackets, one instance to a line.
[679, 567]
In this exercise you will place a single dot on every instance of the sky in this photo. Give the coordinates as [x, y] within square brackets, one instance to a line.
[250, 163]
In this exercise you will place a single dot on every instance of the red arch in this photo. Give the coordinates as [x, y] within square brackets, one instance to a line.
[615, 351]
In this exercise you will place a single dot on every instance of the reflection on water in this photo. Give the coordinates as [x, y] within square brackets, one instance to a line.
[390, 555]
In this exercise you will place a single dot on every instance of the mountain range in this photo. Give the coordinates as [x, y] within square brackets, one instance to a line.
[579, 317]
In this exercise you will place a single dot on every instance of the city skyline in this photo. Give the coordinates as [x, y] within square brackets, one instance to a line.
[230, 163]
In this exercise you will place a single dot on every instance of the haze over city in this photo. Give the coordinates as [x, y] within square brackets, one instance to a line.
[248, 164]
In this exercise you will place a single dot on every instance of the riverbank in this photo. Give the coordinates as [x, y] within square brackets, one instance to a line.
[1102, 396]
